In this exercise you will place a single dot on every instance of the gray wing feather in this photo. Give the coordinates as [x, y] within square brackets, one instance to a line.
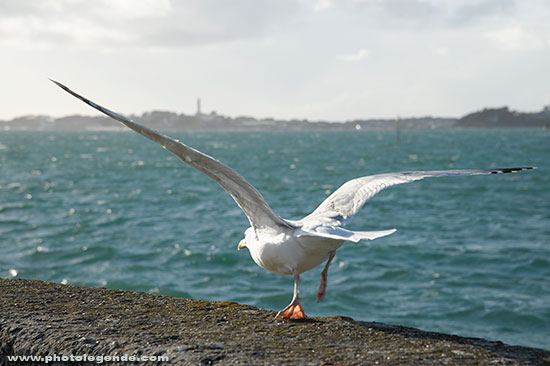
[245, 195]
[343, 203]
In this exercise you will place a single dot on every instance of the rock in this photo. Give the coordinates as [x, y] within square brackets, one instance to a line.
[46, 319]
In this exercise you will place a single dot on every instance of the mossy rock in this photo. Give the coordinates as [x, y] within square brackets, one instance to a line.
[43, 318]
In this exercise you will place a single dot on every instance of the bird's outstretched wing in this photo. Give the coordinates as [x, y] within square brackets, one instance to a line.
[343, 203]
[245, 195]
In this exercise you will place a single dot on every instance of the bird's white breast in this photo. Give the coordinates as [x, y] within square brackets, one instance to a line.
[281, 252]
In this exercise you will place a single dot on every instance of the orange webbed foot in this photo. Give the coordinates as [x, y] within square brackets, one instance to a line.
[293, 312]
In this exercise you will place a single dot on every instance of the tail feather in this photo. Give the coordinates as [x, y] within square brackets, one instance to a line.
[371, 235]
[338, 233]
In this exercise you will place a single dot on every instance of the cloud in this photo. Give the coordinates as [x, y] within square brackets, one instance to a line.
[180, 23]
[360, 55]
[517, 38]
[396, 13]
[143, 23]
[472, 12]
[441, 51]
[321, 5]
[423, 14]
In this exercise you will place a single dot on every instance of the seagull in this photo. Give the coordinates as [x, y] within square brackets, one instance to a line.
[291, 247]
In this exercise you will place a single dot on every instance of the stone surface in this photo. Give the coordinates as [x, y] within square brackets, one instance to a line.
[41, 318]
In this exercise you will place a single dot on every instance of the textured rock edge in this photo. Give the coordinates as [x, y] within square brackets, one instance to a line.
[44, 318]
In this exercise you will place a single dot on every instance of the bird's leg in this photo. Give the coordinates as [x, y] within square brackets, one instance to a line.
[293, 310]
[323, 283]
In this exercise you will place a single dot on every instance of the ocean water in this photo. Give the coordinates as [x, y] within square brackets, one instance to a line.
[471, 255]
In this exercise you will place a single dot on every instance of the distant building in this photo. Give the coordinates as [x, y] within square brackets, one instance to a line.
[199, 107]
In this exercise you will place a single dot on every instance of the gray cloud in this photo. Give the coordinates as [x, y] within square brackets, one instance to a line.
[13, 8]
[397, 13]
[181, 23]
[141, 23]
[471, 13]
[421, 14]
[210, 21]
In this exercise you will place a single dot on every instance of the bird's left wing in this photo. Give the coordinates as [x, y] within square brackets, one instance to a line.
[343, 203]
[245, 195]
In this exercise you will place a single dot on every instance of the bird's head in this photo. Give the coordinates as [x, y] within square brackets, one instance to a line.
[242, 244]
[248, 239]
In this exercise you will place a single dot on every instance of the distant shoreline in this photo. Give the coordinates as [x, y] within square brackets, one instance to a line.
[163, 120]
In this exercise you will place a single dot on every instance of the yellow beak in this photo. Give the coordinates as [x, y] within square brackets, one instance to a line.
[242, 244]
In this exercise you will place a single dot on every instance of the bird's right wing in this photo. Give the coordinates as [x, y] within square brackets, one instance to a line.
[245, 195]
[343, 203]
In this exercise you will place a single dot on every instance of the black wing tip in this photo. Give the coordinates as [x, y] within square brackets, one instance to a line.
[511, 170]
[92, 104]
[66, 88]
[58, 83]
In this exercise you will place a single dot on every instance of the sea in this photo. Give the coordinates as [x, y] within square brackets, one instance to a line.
[471, 255]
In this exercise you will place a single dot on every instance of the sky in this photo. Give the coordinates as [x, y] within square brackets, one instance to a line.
[332, 60]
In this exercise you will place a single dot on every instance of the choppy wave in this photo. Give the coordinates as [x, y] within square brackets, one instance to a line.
[471, 255]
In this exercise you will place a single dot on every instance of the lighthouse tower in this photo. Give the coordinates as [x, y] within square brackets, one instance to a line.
[199, 107]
